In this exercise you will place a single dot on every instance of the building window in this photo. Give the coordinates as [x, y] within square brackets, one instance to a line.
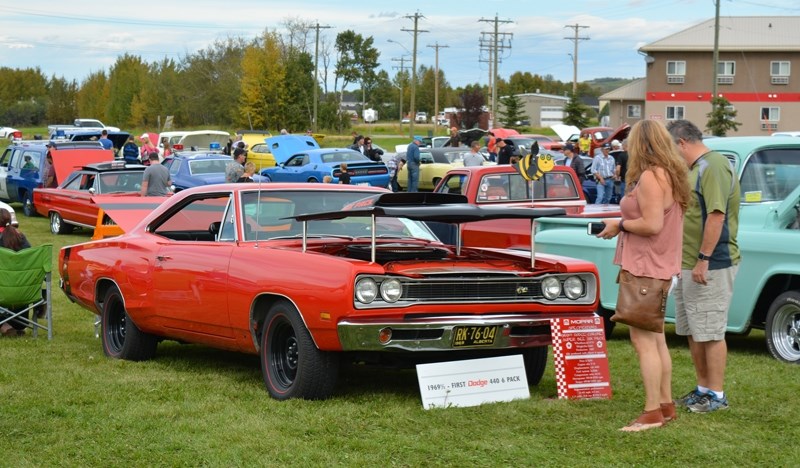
[769, 118]
[675, 112]
[726, 72]
[676, 71]
[780, 72]
[634, 111]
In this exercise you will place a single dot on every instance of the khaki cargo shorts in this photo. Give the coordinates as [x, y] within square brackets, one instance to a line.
[702, 310]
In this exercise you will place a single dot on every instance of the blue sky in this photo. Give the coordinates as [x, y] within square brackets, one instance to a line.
[72, 39]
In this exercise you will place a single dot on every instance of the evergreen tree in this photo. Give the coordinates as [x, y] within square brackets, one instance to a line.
[721, 118]
[575, 113]
[512, 111]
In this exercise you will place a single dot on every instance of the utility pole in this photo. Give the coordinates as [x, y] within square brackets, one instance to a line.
[715, 65]
[436, 86]
[496, 44]
[416, 16]
[402, 68]
[317, 27]
[577, 27]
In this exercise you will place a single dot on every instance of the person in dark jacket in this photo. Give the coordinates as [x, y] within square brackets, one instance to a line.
[372, 153]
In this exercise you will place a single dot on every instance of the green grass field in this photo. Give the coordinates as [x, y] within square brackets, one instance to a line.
[62, 402]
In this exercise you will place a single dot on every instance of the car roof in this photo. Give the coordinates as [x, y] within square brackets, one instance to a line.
[198, 155]
[113, 166]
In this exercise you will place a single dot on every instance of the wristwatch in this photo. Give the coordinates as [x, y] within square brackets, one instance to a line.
[703, 256]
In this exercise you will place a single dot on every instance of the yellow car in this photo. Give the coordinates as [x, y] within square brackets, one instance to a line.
[260, 154]
[434, 164]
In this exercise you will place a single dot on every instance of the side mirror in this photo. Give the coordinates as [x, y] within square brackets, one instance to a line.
[92, 190]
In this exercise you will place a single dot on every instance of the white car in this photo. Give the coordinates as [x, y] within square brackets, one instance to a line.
[10, 133]
[405, 120]
[14, 221]
[422, 117]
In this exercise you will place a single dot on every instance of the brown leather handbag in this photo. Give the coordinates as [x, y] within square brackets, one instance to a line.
[641, 301]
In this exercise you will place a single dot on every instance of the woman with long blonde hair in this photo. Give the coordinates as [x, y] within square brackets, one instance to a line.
[649, 245]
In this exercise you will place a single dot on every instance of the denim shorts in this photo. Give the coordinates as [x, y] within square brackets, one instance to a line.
[702, 310]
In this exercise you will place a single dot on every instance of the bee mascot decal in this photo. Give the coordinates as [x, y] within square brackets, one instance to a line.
[533, 167]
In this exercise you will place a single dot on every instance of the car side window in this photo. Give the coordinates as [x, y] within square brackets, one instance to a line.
[6, 158]
[453, 183]
[193, 219]
[174, 166]
[227, 231]
[75, 182]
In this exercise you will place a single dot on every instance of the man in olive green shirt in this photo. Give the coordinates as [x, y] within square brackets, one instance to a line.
[709, 264]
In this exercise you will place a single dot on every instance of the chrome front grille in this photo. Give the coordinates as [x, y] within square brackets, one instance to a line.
[470, 290]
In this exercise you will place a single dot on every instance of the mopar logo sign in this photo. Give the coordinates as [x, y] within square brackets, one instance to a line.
[522, 290]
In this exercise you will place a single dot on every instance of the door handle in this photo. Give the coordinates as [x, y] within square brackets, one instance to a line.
[161, 258]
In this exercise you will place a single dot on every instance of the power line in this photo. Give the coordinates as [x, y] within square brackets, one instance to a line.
[416, 16]
[435, 116]
[577, 27]
[495, 45]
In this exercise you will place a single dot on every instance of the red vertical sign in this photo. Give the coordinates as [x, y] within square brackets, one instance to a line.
[581, 358]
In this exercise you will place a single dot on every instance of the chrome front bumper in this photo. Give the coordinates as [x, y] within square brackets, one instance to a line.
[437, 333]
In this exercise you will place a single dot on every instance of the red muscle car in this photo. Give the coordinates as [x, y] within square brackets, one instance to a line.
[306, 275]
[502, 185]
[70, 204]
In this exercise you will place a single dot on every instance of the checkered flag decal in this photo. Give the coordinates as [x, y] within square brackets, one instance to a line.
[558, 358]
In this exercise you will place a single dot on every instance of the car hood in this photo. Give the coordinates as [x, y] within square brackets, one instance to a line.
[202, 139]
[127, 210]
[565, 131]
[67, 161]
[283, 147]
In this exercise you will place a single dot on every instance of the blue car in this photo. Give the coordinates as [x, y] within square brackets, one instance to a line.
[192, 169]
[313, 164]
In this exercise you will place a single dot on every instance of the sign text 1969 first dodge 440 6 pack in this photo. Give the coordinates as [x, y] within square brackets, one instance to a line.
[306, 275]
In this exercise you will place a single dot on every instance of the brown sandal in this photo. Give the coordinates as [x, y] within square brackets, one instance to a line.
[668, 411]
[646, 420]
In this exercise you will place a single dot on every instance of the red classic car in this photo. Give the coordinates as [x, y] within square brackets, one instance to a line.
[306, 275]
[502, 185]
[70, 204]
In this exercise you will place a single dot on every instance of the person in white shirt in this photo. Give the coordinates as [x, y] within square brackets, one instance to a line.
[473, 158]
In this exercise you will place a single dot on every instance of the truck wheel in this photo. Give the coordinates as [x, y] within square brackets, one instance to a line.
[608, 325]
[121, 338]
[783, 327]
[291, 364]
[535, 364]
[58, 226]
[27, 205]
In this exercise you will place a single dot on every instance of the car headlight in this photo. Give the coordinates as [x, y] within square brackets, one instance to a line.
[366, 290]
[573, 287]
[551, 287]
[391, 290]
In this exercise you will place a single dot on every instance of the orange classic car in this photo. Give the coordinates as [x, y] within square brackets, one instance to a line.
[307, 275]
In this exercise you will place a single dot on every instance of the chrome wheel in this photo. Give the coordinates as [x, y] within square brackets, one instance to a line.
[783, 327]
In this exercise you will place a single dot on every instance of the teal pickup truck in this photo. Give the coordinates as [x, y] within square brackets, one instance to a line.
[767, 289]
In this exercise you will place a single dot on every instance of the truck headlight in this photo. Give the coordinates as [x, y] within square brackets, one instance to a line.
[391, 290]
[551, 287]
[573, 287]
[366, 290]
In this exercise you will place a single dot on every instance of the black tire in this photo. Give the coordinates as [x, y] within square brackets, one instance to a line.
[783, 327]
[312, 180]
[291, 364]
[58, 226]
[608, 325]
[27, 205]
[121, 338]
[535, 364]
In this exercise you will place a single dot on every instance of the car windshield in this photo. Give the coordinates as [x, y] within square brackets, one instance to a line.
[208, 166]
[265, 214]
[770, 175]
[120, 181]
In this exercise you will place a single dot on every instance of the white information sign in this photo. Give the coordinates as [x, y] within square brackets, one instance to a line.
[472, 382]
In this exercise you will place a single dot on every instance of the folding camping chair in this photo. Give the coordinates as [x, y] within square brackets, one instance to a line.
[25, 287]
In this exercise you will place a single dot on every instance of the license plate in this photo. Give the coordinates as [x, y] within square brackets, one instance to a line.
[363, 183]
[474, 336]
